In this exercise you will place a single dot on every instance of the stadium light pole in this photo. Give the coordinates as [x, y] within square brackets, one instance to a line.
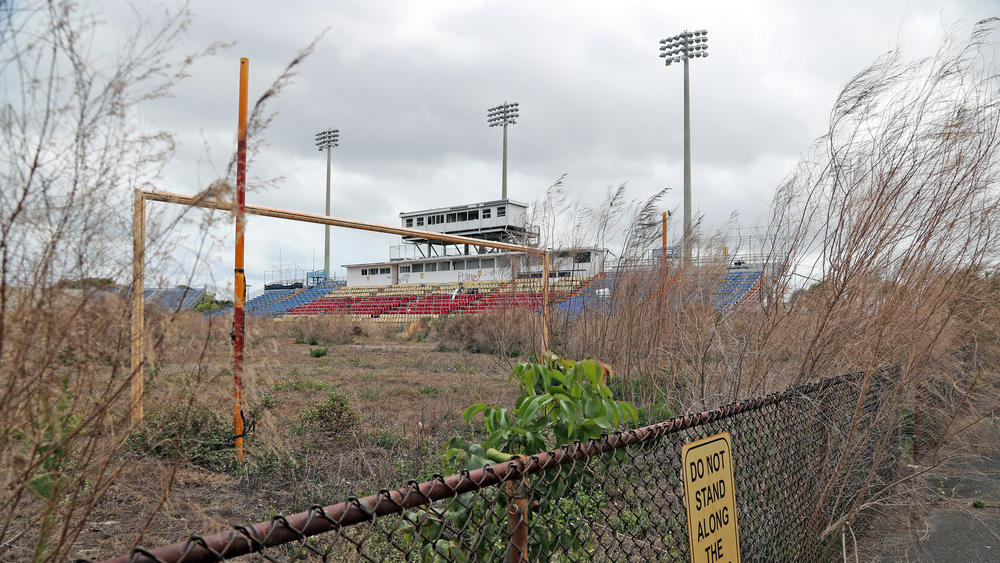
[326, 140]
[504, 114]
[683, 47]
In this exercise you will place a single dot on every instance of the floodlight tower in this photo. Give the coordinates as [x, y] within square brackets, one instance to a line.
[683, 47]
[503, 114]
[327, 140]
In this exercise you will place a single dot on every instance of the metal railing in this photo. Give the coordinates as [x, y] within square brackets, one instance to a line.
[802, 459]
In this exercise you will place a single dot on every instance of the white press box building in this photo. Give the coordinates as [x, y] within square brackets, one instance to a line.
[419, 260]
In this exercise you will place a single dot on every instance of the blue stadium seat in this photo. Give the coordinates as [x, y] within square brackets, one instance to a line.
[738, 286]
[174, 298]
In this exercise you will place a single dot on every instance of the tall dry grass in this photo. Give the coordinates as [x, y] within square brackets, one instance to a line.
[71, 154]
[881, 250]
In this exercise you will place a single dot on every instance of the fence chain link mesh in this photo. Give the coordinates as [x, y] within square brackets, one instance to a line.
[802, 458]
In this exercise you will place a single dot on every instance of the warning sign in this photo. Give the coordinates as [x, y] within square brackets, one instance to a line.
[710, 497]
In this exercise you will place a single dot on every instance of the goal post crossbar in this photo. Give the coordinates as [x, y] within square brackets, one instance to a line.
[138, 261]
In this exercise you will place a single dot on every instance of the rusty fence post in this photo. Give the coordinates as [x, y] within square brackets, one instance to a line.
[517, 522]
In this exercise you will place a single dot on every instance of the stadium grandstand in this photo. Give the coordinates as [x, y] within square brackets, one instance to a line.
[425, 278]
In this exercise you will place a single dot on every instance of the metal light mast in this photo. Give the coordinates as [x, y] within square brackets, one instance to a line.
[683, 47]
[327, 140]
[503, 114]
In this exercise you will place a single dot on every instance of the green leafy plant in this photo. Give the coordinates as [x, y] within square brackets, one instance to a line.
[55, 470]
[333, 416]
[561, 401]
[978, 503]
[317, 352]
[209, 304]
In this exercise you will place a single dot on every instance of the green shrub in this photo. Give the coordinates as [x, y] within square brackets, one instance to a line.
[317, 352]
[267, 401]
[504, 333]
[326, 330]
[372, 392]
[386, 439]
[209, 304]
[335, 415]
[197, 434]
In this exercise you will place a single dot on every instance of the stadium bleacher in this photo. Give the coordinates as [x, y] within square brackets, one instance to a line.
[338, 300]
[407, 302]
[740, 285]
[435, 304]
[272, 302]
[174, 298]
[377, 304]
[268, 297]
[594, 296]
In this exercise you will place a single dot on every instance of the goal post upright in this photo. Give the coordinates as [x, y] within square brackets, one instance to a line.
[239, 281]
[138, 306]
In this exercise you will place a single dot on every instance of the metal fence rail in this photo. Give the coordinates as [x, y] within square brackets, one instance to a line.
[801, 459]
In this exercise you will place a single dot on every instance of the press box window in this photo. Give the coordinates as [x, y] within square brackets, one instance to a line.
[462, 216]
[502, 211]
[430, 267]
[444, 266]
[486, 213]
[384, 270]
[451, 218]
[364, 272]
[473, 215]
[404, 269]
[417, 268]
[409, 222]
[487, 263]
[420, 221]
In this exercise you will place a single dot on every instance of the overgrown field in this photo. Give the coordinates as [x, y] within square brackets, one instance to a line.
[334, 409]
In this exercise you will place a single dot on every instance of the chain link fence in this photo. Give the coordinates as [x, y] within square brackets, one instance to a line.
[802, 459]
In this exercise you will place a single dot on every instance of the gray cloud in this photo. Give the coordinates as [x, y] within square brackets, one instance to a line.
[408, 85]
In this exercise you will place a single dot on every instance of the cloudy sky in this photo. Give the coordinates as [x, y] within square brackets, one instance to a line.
[408, 84]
